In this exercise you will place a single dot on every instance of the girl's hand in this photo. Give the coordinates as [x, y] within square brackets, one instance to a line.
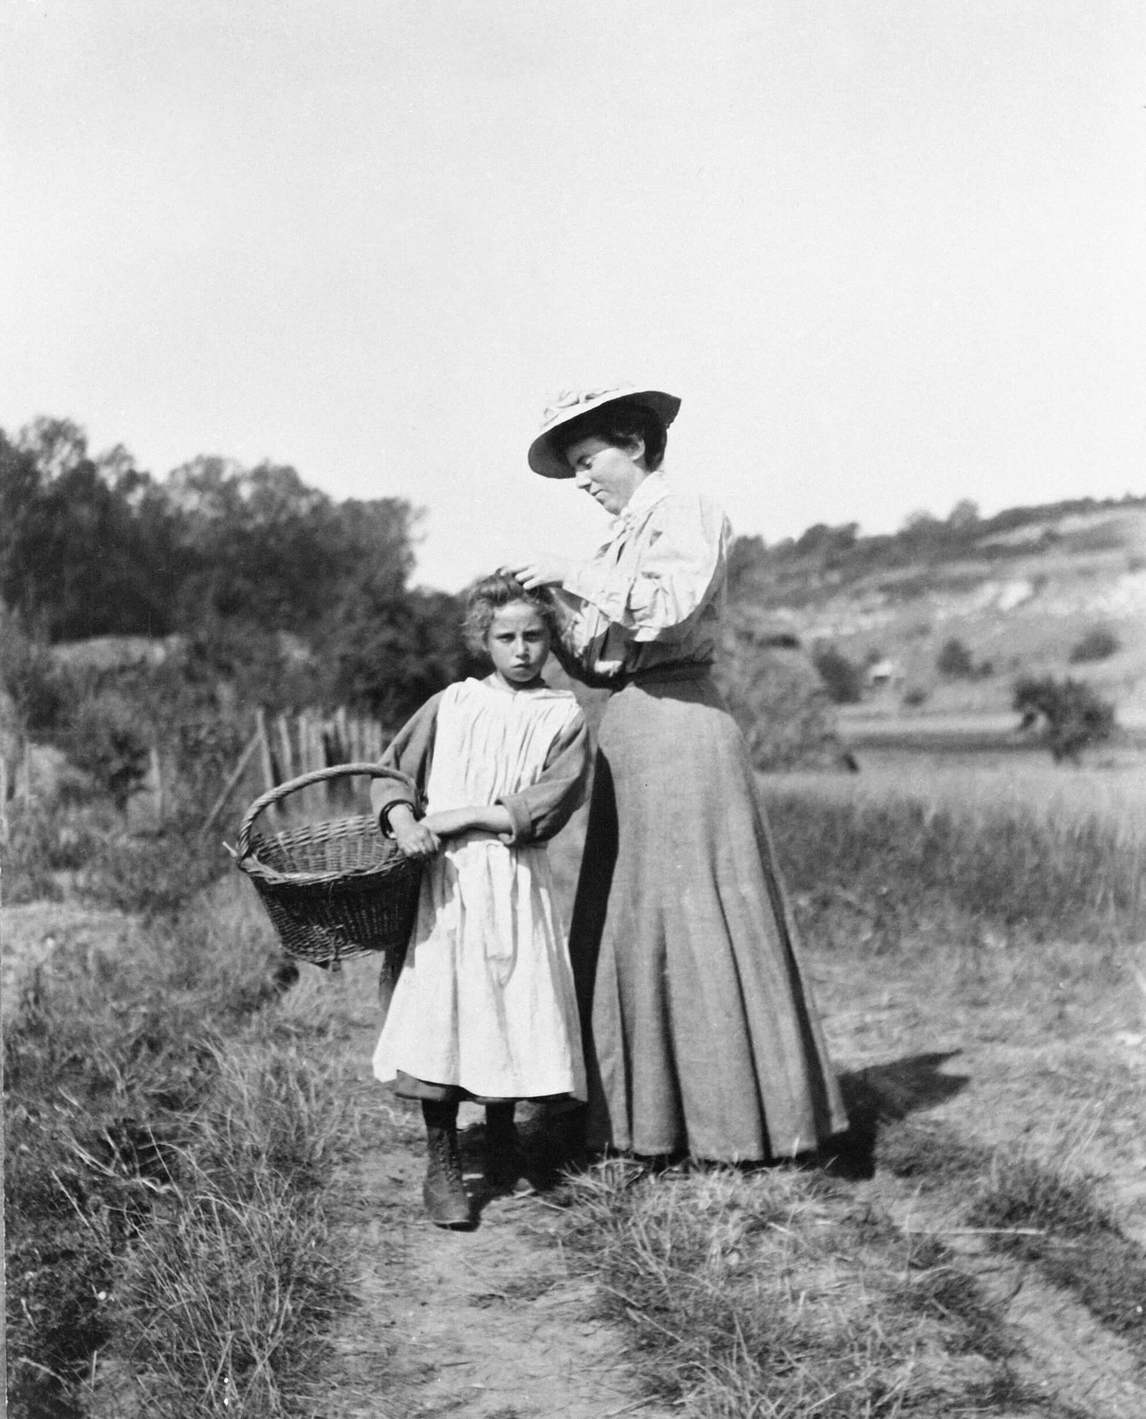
[449, 822]
[414, 839]
[544, 571]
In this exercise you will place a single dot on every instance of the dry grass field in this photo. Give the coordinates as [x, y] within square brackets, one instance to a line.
[214, 1211]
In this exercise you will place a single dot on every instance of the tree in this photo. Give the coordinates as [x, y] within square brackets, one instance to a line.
[954, 660]
[843, 678]
[1097, 644]
[963, 516]
[82, 547]
[1069, 714]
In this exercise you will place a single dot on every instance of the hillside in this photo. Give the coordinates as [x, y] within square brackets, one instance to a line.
[1019, 591]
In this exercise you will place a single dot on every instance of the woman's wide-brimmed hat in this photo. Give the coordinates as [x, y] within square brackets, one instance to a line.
[570, 404]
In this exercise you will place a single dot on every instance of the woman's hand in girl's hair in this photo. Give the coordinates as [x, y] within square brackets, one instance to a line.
[414, 838]
[542, 571]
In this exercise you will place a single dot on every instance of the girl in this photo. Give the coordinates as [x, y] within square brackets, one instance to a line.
[485, 1007]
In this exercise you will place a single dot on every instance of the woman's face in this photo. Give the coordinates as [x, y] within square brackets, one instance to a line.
[609, 474]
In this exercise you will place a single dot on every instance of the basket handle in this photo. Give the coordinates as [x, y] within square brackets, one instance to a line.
[273, 795]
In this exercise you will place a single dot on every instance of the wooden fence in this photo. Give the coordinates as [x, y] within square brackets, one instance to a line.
[287, 746]
[281, 747]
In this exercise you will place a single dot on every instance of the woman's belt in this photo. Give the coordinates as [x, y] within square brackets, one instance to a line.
[660, 674]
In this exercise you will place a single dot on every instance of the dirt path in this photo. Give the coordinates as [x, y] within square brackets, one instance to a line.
[490, 1322]
[494, 1323]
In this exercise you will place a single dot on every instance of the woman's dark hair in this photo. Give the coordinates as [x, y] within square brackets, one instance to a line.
[618, 423]
[488, 596]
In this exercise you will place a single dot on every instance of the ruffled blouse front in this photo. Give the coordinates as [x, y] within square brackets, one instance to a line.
[653, 593]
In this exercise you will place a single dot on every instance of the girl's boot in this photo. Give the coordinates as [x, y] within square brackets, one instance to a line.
[502, 1156]
[443, 1191]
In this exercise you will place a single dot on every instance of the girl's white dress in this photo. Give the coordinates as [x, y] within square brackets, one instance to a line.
[485, 999]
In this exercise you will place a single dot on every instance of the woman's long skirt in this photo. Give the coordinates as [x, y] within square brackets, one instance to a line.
[700, 1032]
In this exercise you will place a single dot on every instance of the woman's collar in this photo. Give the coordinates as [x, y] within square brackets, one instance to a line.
[648, 492]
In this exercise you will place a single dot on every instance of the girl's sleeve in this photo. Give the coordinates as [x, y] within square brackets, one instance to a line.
[543, 809]
[680, 561]
[411, 752]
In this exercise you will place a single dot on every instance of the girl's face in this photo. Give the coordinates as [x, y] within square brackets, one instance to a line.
[518, 643]
[609, 474]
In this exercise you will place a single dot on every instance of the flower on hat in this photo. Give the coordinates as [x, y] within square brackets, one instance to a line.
[566, 399]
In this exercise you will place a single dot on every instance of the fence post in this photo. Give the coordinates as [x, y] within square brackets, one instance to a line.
[287, 749]
[157, 782]
[232, 783]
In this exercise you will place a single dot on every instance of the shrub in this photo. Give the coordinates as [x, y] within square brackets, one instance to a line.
[106, 742]
[1071, 715]
[778, 700]
[954, 660]
[843, 678]
[29, 677]
[41, 844]
[1097, 644]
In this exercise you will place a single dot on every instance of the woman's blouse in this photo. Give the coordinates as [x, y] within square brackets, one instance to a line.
[653, 594]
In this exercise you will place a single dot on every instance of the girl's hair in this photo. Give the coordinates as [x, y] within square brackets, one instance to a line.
[618, 423]
[488, 596]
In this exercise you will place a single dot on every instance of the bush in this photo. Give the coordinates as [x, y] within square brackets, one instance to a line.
[843, 678]
[1070, 714]
[778, 700]
[106, 743]
[954, 660]
[29, 677]
[1097, 644]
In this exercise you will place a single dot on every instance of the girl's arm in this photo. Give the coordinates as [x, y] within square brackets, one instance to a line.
[452, 821]
[411, 752]
[537, 812]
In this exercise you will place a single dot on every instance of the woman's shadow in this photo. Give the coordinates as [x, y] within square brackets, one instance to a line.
[882, 1094]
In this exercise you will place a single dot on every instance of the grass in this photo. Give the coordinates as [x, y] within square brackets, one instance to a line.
[223, 1307]
[894, 866]
[1047, 1211]
[773, 1293]
[154, 1132]
[174, 1125]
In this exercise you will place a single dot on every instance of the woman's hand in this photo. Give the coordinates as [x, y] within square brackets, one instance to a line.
[545, 571]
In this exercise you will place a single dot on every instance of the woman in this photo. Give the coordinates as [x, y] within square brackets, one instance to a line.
[700, 1034]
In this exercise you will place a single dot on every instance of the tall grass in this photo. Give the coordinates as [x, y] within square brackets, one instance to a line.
[222, 1308]
[112, 1049]
[903, 865]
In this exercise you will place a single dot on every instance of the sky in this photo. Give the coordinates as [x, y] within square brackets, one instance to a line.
[890, 253]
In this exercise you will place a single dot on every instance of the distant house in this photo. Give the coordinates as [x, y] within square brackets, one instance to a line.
[883, 672]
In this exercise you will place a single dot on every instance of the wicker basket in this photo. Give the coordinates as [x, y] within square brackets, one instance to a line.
[332, 889]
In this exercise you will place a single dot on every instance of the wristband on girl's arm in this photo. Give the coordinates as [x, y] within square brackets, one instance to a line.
[388, 808]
